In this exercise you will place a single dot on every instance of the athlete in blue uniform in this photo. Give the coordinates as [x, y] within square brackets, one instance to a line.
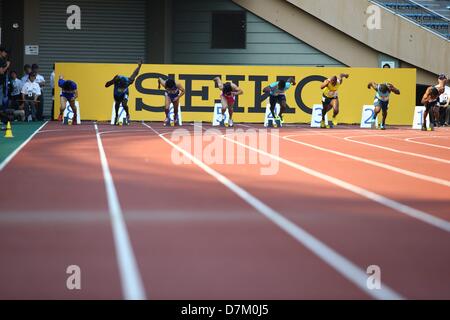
[69, 93]
[121, 84]
[381, 102]
[174, 91]
[277, 91]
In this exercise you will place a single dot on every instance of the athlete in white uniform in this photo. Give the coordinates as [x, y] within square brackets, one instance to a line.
[381, 102]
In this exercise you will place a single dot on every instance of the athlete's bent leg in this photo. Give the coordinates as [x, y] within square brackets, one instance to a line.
[75, 111]
[383, 122]
[335, 105]
[436, 114]
[62, 107]
[116, 108]
[167, 110]
[283, 107]
[273, 104]
[175, 111]
[224, 102]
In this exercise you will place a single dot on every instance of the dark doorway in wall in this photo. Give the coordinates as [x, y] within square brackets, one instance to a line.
[228, 29]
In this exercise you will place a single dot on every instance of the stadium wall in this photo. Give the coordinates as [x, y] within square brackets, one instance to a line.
[265, 43]
[147, 101]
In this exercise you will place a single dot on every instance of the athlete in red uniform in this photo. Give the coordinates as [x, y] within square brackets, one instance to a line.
[228, 98]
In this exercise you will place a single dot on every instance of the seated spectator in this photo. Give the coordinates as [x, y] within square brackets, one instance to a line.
[15, 89]
[444, 102]
[31, 91]
[40, 80]
[27, 71]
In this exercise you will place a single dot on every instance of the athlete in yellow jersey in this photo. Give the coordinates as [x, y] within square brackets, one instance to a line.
[330, 97]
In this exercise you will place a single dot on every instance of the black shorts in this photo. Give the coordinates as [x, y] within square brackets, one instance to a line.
[121, 98]
[277, 99]
[430, 105]
[327, 101]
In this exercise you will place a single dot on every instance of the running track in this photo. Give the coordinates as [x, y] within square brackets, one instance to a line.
[113, 202]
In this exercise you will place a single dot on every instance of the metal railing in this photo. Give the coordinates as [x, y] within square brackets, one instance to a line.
[420, 15]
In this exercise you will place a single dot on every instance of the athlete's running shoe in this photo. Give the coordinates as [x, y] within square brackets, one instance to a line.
[373, 123]
[383, 127]
[424, 128]
[335, 122]
[281, 119]
[166, 122]
[323, 125]
[128, 120]
[230, 123]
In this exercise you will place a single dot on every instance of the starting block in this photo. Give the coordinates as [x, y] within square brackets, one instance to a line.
[172, 115]
[366, 117]
[316, 116]
[68, 114]
[269, 121]
[217, 117]
[122, 118]
[418, 118]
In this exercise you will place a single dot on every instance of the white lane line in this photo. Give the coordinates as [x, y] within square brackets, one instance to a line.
[122, 131]
[60, 130]
[132, 286]
[338, 262]
[397, 206]
[395, 150]
[15, 152]
[372, 162]
[426, 144]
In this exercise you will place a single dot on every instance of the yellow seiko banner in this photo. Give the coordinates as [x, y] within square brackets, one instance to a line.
[146, 101]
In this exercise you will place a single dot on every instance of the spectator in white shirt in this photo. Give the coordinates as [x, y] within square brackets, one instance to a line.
[31, 91]
[444, 102]
[41, 81]
[27, 71]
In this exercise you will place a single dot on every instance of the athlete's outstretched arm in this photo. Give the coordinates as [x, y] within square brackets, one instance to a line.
[267, 89]
[426, 96]
[393, 89]
[136, 72]
[218, 82]
[236, 90]
[325, 84]
[291, 80]
[111, 82]
[372, 85]
[182, 91]
[161, 82]
[342, 76]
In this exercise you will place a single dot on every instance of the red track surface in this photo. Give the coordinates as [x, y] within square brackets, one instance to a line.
[195, 239]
